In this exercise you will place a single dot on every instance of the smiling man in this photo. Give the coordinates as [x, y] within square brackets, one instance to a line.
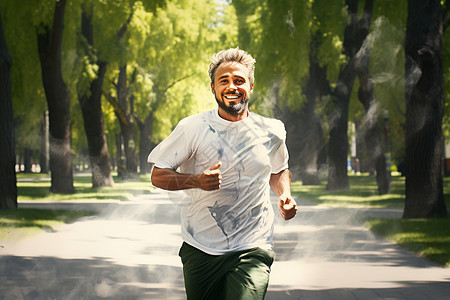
[227, 160]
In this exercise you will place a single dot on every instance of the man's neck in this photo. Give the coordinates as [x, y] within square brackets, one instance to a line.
[233, 118]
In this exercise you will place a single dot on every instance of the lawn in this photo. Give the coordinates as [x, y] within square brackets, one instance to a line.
[427, 237]
[363, 192]
[37, 187]
[21, 223]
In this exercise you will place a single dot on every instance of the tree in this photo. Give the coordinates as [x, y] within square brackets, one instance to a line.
[122, 104]
[371, 129]
[90, 103]
[8, 189]
[118, 91]
[20, 24]
[424, 111]
[355, 33]
[167, 63]
[58, 101]
[284, 88]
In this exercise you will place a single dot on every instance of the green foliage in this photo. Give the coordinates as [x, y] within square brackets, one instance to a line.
[428, 237]
[39, 189]
[283, 35]
[363, 192]
[328, 23]
[283, 52]
[20, 23]
[171, 59]
[20, 223]
[387, 68]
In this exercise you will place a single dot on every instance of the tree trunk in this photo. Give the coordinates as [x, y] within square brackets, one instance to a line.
[371, 129]
[120, 156]
[58, 101]
[126, 123]
[43, 159]
[94, 125]
[8, 186]
[27, 164]
[304, 131]
[424, 111]
[145, 144]
[355, 33]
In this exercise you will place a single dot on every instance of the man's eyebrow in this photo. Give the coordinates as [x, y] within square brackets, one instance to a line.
[227, 75]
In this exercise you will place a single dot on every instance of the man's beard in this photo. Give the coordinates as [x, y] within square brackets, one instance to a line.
[235, 109]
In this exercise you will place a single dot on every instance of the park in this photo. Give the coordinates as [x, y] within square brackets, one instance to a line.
[89, 88]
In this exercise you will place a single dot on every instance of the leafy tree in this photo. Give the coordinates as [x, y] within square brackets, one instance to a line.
[122, 61]
[282, 43]
[424, 111]
[8, 189]
[20, 25]
[90, 103]
[355, 33]
[173, 55]
[387, 73]
[370, 125]
[49, 39]
[304, 67]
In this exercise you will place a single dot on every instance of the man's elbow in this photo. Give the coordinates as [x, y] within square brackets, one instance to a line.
[156, 179]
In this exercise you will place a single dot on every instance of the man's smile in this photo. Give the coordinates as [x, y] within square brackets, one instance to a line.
[232, 96]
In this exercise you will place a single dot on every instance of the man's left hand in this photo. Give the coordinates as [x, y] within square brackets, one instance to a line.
[287, 207]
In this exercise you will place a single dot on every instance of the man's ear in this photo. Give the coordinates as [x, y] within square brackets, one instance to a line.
[251, 88]
[212, 87]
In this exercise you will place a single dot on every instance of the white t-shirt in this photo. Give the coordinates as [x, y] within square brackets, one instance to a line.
[239, 215]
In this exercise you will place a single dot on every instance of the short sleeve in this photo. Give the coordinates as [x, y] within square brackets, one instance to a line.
[280, 158]
[172, 151]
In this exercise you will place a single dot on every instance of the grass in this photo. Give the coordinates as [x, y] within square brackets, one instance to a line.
[363, 192]
[21, 223]
[38, 188]
[429, 238]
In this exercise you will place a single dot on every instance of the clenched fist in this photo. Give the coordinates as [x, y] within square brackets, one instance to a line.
[210, 179]
[287, 207]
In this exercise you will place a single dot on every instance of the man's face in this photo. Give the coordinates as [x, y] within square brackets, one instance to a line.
[232, 88]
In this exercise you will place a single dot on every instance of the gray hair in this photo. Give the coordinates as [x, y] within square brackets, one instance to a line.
[235, 55]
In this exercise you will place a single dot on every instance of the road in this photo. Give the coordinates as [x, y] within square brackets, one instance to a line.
[129, 251]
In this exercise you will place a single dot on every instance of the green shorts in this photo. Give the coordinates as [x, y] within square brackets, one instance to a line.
[236, 275]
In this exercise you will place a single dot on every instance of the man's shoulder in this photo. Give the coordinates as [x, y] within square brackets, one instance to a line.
[269, 123]
[196, 119]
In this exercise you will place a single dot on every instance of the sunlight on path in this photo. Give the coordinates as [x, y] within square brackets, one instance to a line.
[130, 250]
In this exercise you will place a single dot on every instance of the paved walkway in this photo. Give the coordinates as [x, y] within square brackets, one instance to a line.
[129, 251]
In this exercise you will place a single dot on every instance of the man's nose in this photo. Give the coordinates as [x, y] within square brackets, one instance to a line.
[232, 86]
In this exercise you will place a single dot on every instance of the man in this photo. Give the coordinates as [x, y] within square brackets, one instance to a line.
[226, 160]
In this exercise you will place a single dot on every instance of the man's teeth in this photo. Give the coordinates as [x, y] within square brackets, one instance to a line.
[231, 96]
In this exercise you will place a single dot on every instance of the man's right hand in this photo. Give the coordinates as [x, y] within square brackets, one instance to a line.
[171, 180]
[211, 179]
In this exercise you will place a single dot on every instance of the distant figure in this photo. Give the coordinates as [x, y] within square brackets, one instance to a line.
[226, 160]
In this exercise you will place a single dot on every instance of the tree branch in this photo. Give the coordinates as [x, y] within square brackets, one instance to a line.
[117, 109]
[124, 27]
[175, 82]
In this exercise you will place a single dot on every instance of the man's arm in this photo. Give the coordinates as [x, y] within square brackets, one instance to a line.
[281, 185]
[169, 179]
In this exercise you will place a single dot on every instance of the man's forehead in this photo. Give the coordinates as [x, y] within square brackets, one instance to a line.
[232, 68]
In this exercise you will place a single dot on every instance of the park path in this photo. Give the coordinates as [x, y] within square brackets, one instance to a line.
[129, 251]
